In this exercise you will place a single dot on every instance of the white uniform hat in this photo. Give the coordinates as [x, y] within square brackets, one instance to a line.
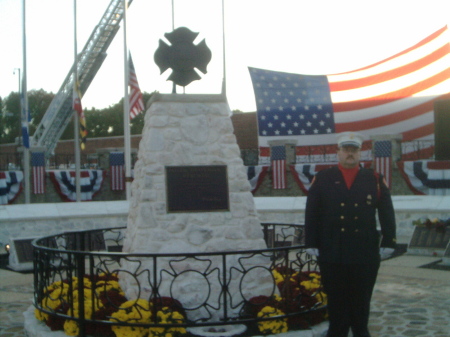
[350, 139]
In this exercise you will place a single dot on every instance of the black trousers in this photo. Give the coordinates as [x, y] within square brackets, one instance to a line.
[349, 289]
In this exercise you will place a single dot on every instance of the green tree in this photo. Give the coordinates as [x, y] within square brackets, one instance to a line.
[10, 126]
[38, 101]
[105, 122]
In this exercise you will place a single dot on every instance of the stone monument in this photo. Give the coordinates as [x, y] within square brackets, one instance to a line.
[190, 194]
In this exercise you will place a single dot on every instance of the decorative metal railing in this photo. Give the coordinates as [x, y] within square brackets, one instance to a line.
[91, 263]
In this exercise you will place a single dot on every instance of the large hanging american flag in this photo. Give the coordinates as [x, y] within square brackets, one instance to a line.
[136, 100]
[393, 96]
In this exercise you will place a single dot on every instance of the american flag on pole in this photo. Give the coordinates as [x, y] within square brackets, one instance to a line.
[79, 109]
[38, 164]
[394, 96]
[25, 117]
[117, 168]
[278, 158]
[136, 100]
[383, 159]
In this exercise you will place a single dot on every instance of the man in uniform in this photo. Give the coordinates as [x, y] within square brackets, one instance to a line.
[341, 230]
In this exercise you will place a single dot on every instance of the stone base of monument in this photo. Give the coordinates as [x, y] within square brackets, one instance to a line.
[34, 328]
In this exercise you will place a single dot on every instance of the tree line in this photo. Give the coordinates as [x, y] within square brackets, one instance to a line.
[105, 122]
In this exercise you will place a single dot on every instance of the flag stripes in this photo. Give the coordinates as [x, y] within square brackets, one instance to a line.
[38, 164]
[117, 168]
[383, 159]
[136, 100]
[278, 158]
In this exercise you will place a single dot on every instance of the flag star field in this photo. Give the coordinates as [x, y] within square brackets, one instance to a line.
[291, 104]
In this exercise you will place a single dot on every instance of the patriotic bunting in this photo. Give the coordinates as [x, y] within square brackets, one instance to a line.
[10, 186]
[90, 182]
[255, 175]
[426, 177]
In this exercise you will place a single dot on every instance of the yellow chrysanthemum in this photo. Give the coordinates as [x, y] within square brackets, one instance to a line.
[167, 316]
[322, 298]
[311, 284]
[40, 315]
[134, 311]
[104, 286]
[71, 328]
[274, 326]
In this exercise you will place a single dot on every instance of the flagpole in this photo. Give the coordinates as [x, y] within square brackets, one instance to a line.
[126, 107]
[75, 114]
[25, 113]
[224, 81]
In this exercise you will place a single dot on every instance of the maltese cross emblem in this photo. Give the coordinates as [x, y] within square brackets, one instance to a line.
[182, 56]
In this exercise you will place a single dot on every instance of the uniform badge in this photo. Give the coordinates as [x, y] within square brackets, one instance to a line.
[369, 199]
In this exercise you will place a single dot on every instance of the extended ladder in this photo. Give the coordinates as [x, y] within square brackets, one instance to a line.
[60, 111]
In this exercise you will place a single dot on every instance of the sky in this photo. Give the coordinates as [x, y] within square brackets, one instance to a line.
[299, 36]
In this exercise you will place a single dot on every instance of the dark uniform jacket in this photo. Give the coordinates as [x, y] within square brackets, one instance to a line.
[341, 222]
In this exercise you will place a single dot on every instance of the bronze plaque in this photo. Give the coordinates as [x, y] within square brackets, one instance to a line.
[197, 188]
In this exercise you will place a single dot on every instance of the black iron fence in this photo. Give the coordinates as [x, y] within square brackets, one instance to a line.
[91, 263]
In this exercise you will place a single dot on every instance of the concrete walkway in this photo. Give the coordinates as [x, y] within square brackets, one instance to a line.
[407, 300]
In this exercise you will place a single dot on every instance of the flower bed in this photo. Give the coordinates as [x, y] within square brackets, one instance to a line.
[302, 302]
[79, 292]
[104, 300]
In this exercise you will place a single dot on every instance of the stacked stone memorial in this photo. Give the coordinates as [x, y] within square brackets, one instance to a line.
[190, 194]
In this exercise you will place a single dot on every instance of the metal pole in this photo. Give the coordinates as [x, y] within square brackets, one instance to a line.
[174, 86]
[126, 106]
[25, 113]
[224, 83]
[20, 106]
[76, 128]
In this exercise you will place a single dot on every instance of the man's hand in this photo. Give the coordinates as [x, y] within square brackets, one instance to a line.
[385, 251]
[313, 251]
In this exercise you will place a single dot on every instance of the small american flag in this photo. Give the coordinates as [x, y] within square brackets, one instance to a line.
[136, 100]
[38, 164]
[117, 167]
[383, 159]
[278, 158]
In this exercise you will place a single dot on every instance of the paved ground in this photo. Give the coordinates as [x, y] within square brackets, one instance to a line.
[407, 301]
